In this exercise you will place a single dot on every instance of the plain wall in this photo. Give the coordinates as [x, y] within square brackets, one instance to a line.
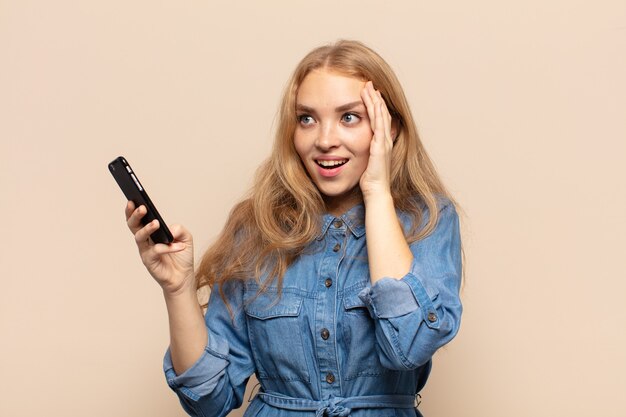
[521, 105]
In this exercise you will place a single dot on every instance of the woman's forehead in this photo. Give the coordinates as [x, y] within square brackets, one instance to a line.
[328, 88]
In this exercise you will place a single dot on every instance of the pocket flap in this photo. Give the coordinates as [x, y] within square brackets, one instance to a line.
[352, 300]
[268, 305]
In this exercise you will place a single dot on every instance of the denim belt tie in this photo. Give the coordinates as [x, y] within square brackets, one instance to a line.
[336, 406]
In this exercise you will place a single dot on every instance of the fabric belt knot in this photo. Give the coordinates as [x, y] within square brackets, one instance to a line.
[333, 408]
[336, 406]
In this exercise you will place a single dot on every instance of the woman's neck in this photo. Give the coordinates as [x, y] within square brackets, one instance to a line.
[338, 205]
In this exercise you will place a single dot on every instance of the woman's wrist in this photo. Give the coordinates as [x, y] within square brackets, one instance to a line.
[185, 291]
[377, 196]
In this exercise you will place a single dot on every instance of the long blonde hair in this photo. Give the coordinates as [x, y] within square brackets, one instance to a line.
[267, 230]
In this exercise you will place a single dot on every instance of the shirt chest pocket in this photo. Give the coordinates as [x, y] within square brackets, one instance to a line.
[276, 328]
[359, 336]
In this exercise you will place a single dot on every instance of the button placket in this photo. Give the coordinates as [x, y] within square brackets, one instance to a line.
[335, 240]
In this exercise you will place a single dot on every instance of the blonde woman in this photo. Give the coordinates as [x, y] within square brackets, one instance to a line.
[337, 278]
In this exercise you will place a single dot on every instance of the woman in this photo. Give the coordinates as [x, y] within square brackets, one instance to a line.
[338, 278]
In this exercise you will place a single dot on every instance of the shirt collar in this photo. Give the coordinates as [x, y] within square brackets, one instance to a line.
[354, 219]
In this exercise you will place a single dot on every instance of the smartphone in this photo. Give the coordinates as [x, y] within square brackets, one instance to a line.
[134, 191]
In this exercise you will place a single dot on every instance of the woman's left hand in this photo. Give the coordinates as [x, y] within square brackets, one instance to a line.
[377, 176]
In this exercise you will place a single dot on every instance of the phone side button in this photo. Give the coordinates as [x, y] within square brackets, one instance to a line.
[136, 182]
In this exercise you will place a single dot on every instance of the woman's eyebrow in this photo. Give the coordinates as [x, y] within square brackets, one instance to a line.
[307, 109]
[348, 106]
[342, 108]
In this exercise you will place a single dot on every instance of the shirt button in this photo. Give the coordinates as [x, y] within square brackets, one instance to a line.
[330, 378]
[328, 282]
[432, 317]
[336, 247]
[325, 334]
[337, 224]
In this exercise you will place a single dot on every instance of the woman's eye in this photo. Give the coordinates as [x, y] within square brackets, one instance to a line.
[350, 118]
[305, 119]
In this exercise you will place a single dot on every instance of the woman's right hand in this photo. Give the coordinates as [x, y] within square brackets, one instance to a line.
[170, 265]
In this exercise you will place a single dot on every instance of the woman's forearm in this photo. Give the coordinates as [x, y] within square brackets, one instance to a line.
[388, 252]
[188, 333]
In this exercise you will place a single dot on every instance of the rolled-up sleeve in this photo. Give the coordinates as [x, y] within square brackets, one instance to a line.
[216, 383]
[416, 315]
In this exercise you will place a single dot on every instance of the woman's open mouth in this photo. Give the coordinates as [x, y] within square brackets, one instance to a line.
[330, 164]
[330, 167]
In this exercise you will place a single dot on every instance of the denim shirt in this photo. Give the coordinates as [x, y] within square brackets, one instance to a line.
[332, 343]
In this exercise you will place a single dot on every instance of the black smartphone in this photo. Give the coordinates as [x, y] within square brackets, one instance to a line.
[134, 191]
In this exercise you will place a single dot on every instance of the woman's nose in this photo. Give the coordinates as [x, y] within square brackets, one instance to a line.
[327, 137]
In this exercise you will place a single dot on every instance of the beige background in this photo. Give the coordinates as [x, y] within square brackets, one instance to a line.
[521, 105]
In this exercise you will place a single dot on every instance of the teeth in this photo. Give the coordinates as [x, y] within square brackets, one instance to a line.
[326, 163]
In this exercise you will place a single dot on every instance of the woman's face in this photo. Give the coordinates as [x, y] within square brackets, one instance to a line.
[333, 135]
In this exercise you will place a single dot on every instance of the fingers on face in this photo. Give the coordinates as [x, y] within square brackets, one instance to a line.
[386, 121]
[366, 95]
[379, 130]
[380, 118]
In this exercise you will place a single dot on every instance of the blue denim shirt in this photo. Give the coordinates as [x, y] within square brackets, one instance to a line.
[332, 344]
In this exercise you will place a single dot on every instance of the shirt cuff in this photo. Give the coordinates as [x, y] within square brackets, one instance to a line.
[203, 376]
[390, 298]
